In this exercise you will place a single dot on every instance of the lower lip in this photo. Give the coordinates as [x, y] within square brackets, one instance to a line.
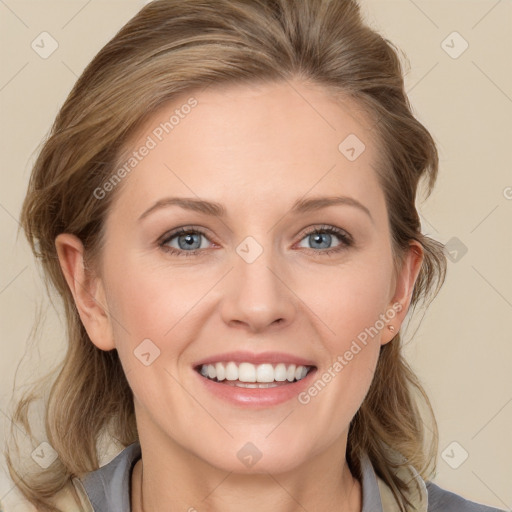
[257, 397]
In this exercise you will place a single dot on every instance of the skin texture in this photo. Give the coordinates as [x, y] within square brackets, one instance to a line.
[256, 150]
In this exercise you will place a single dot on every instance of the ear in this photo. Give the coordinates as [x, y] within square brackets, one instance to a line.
[87, 290]
[404, 286]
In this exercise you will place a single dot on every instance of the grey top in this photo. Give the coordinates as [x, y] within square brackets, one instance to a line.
[109, 488]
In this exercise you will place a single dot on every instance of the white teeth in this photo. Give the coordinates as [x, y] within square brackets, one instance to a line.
[280, 372]
[290, 373]
[231, 371]
[220, 371]
[265, 373]
[251, 385]
[248, 372]
[300, 372]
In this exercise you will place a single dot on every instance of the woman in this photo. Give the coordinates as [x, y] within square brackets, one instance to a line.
[176, 208]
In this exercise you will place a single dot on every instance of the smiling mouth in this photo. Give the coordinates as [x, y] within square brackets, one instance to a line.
[248, 375]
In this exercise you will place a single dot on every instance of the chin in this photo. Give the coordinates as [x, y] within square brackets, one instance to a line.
[256, 457]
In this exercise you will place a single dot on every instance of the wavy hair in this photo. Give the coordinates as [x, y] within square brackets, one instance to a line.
[171, 47]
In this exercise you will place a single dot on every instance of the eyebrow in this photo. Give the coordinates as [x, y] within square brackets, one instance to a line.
[217, 210]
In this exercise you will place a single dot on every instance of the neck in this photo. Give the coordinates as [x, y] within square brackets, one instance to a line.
[179, 481]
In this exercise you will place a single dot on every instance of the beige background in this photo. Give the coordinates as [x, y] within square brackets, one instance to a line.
[463, 347]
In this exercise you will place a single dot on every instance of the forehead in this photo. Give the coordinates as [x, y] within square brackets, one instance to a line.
[255, 143]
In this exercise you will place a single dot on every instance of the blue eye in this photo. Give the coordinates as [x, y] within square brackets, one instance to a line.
[186, 239]
[324, 235]
[189, 241]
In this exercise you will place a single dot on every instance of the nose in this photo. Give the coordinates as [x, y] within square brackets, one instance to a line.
[258, 295]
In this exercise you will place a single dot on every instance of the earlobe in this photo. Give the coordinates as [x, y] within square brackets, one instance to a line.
[87, 290]
[404, 288]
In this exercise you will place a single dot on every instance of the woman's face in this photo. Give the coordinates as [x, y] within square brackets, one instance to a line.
[255, 284]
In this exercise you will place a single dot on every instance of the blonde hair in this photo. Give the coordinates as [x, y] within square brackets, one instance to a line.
[176, 46]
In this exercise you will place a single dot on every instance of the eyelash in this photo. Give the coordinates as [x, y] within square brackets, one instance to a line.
[345, 238]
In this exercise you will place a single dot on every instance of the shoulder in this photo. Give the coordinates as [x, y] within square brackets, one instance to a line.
[73, 498]
[70, 498]
[424, 496]
[108, 488]
[441, 500]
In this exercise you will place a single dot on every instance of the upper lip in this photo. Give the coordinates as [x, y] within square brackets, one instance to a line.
[255, 358]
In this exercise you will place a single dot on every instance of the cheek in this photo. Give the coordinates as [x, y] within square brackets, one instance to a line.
[352, 308]
[149, 301]
[349, 299]
[150, 314]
